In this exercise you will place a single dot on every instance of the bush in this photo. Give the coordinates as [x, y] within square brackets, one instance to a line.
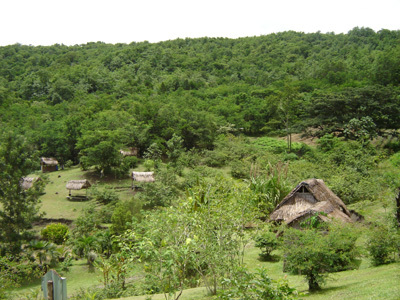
[290, 156]
[270, 190]
[14, 272]
[130, 161]
[161, 192]
[149, 165]
[240, 169]
[189, 158]
[55, 233]
[267, 242]
[393, 146]
[105, 196]
[216, 158]
[123, 214]
[69, 164]
[258, 285]
[327, 142]
[382, 245]
[314, 253]
[395, 159]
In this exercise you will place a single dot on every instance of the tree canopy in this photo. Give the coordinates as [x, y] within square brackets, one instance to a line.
[142, 93]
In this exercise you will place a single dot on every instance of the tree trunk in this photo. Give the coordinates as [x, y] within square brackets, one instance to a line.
[313, 284]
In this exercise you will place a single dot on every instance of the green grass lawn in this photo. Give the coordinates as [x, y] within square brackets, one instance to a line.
[55, 203]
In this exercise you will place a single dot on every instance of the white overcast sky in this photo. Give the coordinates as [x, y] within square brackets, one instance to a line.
[70, 22]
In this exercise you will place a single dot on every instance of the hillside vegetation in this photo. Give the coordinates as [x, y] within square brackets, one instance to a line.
[219, 121]
[142, 93]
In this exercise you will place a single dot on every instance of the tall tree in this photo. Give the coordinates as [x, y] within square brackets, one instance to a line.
[285, 105]
[19, 207]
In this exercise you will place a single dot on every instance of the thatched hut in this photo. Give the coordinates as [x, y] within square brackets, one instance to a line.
[48, 164]
[130, 152]
[310, 197]
[77, 185]
[142, 177]
[28, 182]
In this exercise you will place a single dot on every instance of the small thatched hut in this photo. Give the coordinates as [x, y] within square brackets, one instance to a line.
[142, 177]
[130, 152]
[27, 182]
[309, 198]
[48, 164]
[78, 185]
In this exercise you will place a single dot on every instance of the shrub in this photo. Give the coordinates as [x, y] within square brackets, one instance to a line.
[123, 214]
[55, 233]
[258, 285]
[267, 242]
[69, 164]
[382, 245]
[16, 271]
[216, 158]
[240, 169]
[314, 253]
[393, 146]
[161, 192]
[290, 156]
[189, 158]
[269, 190]
[395, 159]
[149, 164]
[327, 142]
[105, 196]
[130, 161]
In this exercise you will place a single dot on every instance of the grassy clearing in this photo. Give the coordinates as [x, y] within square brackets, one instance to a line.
[55, 203]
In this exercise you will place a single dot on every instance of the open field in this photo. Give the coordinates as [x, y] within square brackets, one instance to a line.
[55, 203]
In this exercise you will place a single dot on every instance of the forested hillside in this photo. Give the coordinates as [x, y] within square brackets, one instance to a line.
[142, 93]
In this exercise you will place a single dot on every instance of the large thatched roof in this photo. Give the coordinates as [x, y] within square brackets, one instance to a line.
[143, 176]
[78, 184]
[309, 198]
[27, 182]
[48, 161]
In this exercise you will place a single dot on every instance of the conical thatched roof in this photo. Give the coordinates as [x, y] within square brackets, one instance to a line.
[309, 198]
[27, 182]
[48, 161]
[143, 176]
[78, 184]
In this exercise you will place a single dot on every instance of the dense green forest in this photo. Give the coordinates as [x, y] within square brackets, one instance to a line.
[142, 93]
[215, 118]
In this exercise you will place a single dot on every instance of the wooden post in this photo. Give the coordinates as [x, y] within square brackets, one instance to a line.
[50, 293]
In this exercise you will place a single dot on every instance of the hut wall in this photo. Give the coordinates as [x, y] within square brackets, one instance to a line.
[46, 168]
